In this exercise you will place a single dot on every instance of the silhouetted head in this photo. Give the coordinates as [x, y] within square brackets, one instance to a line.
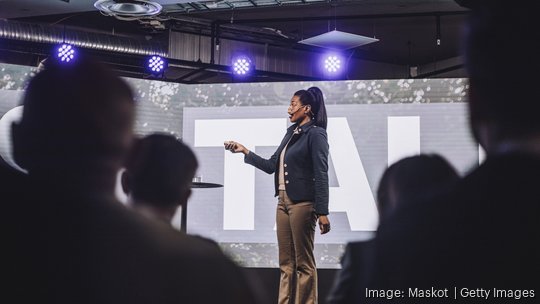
[313, 97]
[412, 178]
[501, 53]
[159, 172]
[77, 117]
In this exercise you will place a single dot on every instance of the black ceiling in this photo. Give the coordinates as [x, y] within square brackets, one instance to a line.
[407, 30]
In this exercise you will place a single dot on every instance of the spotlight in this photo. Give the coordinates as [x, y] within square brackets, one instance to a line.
[242, 66]
[66, 52]
[156, 64]
[332, 64]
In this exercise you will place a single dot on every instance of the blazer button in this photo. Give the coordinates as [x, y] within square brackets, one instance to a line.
[285, 165]
[286, 182]
[286, 173]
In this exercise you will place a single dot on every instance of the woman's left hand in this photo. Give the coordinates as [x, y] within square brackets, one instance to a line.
[324, 224]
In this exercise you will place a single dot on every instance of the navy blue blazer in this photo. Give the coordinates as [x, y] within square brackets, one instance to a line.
[305, 165]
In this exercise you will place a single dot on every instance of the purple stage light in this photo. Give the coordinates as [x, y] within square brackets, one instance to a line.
[332, 64]
[156, 64]
[242, 66]
[66, 52]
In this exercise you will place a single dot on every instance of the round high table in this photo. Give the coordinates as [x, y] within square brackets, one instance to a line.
[183, 224]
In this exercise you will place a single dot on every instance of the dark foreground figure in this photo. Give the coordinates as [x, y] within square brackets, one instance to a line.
[485, 233]
[73, 241]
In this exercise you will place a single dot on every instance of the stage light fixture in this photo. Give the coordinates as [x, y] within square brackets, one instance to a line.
[242, 66]
[66, 52]
[332, 64]
[156, 64]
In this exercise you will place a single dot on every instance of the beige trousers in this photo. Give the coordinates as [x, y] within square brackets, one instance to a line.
[295, 224]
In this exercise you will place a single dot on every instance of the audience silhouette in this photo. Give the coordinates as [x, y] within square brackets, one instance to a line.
[158, 176]
[78, 244]
[402, 183]
[485, 232]
[412, 179]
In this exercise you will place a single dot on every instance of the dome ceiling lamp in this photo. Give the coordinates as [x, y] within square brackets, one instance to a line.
[128, 10]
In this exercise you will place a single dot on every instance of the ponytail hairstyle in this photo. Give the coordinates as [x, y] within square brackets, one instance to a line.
[314, 98]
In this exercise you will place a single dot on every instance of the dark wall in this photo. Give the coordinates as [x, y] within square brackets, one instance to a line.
[269, 277]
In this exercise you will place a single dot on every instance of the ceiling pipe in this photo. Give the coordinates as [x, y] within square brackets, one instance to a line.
[347, 17]
[212, 42]
[59, 34]
[439, 71]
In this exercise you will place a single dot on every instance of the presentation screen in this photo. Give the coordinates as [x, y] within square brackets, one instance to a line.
[371, 124]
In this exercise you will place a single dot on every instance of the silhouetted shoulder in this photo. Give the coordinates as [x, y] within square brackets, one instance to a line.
[206, 240]
[179, 267]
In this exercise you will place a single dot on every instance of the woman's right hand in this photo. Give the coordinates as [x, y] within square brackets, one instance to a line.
[235, 147]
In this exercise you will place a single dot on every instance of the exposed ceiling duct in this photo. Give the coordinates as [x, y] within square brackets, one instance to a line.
[97, 41]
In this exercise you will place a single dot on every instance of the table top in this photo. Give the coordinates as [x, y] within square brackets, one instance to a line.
[205, 185]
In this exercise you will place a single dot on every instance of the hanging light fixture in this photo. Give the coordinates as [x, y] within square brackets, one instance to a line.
[156, 65]
[66, 53]
[242, 66]
[128, 10]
